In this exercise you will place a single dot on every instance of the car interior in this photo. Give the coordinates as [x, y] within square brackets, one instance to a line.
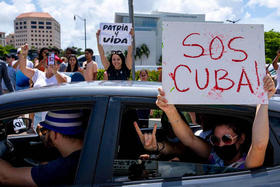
[130, 164]
[25, 147]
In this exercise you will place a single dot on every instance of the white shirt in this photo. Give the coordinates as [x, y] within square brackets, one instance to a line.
[278, 78]
[39, 79]
[28, 64]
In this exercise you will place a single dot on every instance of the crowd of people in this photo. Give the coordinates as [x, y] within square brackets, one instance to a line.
[223, 147]
[18, 72]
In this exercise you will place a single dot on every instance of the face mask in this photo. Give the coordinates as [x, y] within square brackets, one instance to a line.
[227, 152]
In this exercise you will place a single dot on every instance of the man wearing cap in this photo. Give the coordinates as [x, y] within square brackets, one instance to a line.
[63, 130]
[4, 76]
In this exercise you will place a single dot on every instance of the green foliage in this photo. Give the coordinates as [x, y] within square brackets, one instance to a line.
[100, 74]
[153, 75]
[79, 51]
[141, 51]
[6, 50]
[272, 44]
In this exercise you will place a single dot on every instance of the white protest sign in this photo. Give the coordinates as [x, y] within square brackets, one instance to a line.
[115, 34]
[211, 63]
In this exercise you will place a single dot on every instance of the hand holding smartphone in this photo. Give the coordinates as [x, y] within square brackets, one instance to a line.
[51, 59]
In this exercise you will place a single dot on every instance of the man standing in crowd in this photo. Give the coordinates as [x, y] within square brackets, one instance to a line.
[11, 72]
[90, 72]
[63, 130]
[22, 82]
[4, 75]
[277, 69]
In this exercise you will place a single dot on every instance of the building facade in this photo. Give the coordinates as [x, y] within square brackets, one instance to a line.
[10, 39]
[37, 29]
[148, 30]
[2, 39]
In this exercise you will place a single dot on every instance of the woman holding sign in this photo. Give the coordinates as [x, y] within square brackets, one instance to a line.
[117, 67]
[225, 146]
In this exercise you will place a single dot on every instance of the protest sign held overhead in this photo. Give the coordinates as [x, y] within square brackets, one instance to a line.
[115, 34]
[209, 63]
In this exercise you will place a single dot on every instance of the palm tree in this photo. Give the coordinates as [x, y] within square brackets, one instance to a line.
[142, 50]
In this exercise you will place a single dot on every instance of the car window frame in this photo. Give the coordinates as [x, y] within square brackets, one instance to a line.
[107, 173]
[98, 107]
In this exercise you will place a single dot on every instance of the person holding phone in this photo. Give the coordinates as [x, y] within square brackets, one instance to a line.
[50, 76]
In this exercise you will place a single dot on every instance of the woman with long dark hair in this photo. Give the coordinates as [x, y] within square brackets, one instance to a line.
[73, 65]
[43, 58]
[118, 66]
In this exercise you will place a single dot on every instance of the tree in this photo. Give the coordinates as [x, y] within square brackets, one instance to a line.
[6, 50]
[141, 51]
[272, 44]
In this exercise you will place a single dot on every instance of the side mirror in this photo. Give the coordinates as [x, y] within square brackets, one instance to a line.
[18, 125]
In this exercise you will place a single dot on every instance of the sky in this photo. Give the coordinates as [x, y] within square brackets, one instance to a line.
[265, 12]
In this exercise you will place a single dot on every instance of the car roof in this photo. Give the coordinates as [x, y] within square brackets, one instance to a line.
[94, 88]
[100, 88]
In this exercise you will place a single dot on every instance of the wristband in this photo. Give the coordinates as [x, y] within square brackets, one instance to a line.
[162, 148]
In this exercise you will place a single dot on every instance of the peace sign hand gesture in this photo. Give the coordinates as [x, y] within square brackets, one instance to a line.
[148, 140]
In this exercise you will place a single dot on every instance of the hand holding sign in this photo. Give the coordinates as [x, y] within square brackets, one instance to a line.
[162, 102]
[269, 86]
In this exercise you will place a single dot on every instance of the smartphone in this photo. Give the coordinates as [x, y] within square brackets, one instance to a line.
[51, 59]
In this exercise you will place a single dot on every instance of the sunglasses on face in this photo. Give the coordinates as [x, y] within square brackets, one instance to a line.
[227, 139]
[116, 52]
[43, 130]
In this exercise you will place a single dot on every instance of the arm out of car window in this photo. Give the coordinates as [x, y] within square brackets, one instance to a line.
[181, 129]
[260, 130]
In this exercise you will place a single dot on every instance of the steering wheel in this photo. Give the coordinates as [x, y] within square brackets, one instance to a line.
[6, 149]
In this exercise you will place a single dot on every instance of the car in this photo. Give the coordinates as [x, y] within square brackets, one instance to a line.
[96, 58]
[110, 154]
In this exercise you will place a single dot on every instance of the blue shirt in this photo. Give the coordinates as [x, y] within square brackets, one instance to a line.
[57, 172]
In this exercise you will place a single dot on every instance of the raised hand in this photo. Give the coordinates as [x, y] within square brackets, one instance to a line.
[162, 103]
[97, 35]
[148, 140]
[24, 50]
[269, 86]
[131, 32]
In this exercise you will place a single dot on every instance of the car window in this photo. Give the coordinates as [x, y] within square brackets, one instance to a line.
[27, 146]
[133, 162]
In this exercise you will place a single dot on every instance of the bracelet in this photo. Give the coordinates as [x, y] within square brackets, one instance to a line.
[162, 148]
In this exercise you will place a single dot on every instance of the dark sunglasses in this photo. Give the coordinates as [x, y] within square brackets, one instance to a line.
[43, 130]
[116, 52]
[227, 139]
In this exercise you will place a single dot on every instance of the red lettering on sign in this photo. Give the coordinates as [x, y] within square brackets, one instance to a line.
[207, 79]
[174, 77]
[257, 73]
[243, 73]
[210, 48]
[224, 77]
[237, 50]
[193, 45]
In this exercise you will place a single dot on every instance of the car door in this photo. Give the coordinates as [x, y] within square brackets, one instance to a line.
[108, 162]
[95, 105]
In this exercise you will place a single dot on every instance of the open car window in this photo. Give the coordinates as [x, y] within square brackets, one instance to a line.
[132, 162]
